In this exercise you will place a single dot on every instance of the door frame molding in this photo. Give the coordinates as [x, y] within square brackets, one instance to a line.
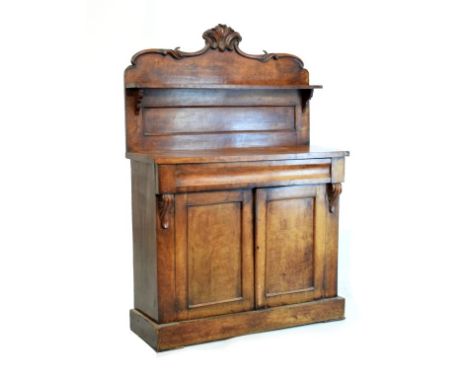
[262, 197]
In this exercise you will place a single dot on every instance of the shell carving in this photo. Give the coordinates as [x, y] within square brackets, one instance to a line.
[222, 37]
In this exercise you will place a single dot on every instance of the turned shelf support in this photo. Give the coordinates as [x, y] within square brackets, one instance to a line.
[165, 205]
[333, 193]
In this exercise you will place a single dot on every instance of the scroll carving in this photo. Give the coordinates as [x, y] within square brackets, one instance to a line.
[333, 193]
[165, 206]
[222, 38]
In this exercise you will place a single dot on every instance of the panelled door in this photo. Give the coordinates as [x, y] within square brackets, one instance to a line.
[290, 229]
[214, 253]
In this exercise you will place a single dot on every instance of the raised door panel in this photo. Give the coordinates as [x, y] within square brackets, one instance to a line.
[214, 253]
[290, 244]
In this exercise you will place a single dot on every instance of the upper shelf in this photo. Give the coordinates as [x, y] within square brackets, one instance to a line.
[134, 85]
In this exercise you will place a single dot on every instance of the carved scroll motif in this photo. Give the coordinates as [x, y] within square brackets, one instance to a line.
[333, 193]
[222, 38]
[165, 206]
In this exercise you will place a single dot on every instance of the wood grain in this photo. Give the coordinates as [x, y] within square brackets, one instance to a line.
[330, 280]
[237, 155]
[214, 254]
[246, 175]
[151, 69]
[175, 335]
[290, 244]
[144, 238]
[218, 119]
[214, 258]
[166, 266]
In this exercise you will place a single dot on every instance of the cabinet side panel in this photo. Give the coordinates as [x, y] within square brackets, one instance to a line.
[331, 254]
[144, 238]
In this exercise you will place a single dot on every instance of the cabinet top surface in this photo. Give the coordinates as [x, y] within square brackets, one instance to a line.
[237, 155]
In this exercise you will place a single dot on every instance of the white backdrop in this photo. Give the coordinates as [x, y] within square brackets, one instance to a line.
[395, 94]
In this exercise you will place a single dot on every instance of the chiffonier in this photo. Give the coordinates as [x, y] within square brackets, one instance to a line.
[235, 215]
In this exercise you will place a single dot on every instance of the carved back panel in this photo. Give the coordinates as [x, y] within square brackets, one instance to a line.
[217, 97]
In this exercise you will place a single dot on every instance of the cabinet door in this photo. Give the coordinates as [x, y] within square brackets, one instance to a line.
[290, 244]
[214, 253]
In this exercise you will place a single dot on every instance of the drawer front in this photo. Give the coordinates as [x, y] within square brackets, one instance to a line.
[221, 176]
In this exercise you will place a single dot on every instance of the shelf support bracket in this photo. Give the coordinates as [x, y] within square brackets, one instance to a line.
[305, 97]
[139, 100]
[333, 193]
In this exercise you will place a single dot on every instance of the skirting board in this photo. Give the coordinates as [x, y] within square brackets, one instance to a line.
[177, 334]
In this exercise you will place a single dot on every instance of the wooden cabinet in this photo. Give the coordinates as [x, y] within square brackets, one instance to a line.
[235, 214]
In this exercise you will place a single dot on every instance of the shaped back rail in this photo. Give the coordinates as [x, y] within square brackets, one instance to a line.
[217, 97]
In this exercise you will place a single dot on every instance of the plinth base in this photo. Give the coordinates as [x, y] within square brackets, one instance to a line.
[177, 334]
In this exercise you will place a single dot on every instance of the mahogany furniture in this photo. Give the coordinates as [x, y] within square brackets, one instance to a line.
[235, 216]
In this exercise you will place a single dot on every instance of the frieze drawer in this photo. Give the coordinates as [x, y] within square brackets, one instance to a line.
[220, 176]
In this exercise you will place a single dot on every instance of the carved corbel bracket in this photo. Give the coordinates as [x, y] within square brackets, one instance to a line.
[333, 193]
[306, 96]
[139, 100]
[165, 206]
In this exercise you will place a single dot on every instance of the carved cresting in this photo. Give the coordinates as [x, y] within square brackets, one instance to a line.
[165, 206]
[333, 193]
[222, 38]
